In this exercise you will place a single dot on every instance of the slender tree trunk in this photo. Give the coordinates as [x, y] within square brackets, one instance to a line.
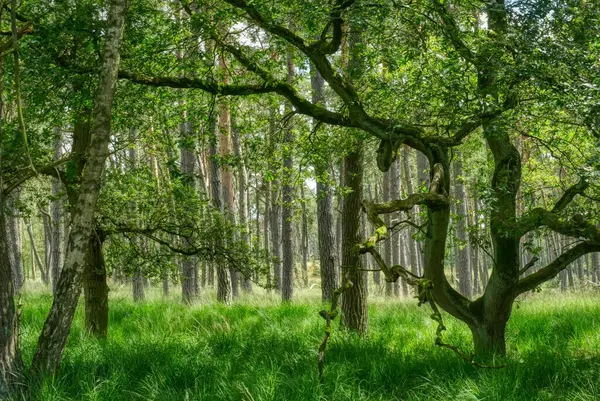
[304, 239]
[137, 282]
[411, 243]
[287, 200]
[266, 219]
[423, 179]
[15, 244]
[354, 299]
[242, 205]
[58, 323]
[96, 287]
[47, 226]
[36, 256]
[275, 216]
[388, 245]
[395, 240]
[377, 273]
[189, 266]
[463, 265]
[475, 252]
[56, 211]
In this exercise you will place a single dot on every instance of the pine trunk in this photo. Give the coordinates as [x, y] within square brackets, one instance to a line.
[287, 200]
[463, 264]
[189, 266]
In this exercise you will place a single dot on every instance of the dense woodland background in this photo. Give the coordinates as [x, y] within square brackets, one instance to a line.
[325, 154]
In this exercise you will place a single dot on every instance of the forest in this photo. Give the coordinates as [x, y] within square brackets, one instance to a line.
[300, 200]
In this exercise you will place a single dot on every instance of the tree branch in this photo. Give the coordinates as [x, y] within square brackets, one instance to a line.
[47, 169]
[529, 265]
[551, 270]
[577, 227]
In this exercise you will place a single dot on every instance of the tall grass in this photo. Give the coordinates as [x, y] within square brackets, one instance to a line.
[261, 350]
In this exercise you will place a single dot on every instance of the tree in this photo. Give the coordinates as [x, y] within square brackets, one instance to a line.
[437, 112]
[287, 198]
[58, 323]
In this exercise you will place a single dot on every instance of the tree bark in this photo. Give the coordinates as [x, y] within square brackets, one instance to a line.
[58, 323]
[275, 216]
[56, 211]
[96, 287]
[330, 280]
[354, 299]
[242, 205]
[387, 246]
[11, 362]
[304, 238]
[15, 244]
[463, 263]
[228, 282]
[266, 219]
[189, 266]
[287, 200]
[137, 282]
[412, 244]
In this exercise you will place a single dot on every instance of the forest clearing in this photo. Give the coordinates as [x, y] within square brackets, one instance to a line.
[300, 200]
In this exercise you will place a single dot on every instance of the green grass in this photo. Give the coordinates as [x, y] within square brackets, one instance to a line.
[260, 350]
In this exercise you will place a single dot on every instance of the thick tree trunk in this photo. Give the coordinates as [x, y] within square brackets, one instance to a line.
[96, 287]
[489, 339]
[226, 186]
[354, 299]
[327, 248]
[58, 323]
[11, 363]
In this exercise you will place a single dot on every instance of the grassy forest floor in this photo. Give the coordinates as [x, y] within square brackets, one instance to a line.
[261, 350]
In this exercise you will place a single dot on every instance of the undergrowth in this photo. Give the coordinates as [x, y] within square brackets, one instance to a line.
[258, 349]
